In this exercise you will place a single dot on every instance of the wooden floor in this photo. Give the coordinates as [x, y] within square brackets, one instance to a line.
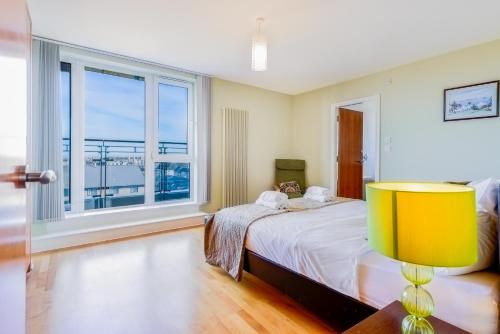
[154, 284]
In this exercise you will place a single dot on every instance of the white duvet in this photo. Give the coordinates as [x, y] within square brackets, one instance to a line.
[325, 248]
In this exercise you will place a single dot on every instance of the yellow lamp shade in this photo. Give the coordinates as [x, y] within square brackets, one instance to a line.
[432, 224]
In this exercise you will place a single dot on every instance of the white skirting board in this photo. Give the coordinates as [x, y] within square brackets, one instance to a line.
[58, 240]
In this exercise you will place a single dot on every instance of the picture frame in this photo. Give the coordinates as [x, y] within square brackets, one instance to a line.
[471, 102]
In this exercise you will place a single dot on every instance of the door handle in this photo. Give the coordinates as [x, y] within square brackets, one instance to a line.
[45, 177]
[20, 177]
[364, 157]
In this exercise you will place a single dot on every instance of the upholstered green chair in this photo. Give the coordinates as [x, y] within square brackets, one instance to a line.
[291, 170]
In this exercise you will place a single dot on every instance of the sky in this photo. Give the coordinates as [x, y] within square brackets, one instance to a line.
[115, 108]
[172, 113]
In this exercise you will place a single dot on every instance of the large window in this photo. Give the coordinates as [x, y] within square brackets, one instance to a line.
[132, 132]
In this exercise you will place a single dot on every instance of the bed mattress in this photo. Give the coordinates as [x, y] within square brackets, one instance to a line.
[468, 301]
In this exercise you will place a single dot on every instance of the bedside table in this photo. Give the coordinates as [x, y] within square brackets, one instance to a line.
[388, 320]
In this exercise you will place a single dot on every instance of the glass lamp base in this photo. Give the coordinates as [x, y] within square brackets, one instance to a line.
[414, 325]
[416, 300]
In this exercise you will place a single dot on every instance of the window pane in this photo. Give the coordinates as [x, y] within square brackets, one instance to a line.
[172, 181]
[172, 119]
[114, 139]
[66, 131]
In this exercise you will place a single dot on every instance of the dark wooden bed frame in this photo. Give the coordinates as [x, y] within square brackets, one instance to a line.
[336, 309]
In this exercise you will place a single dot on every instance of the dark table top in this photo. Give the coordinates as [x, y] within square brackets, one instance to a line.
[388, 320]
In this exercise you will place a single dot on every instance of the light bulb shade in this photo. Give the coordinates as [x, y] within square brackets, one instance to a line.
[432, 224]
[259, 52]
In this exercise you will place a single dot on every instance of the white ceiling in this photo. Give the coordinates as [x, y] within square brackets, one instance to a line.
[312, 43]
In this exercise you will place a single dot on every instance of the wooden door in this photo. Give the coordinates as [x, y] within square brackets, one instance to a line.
[15, 55]
[350, 152]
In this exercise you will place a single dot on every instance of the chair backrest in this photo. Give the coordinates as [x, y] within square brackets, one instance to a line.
[291, 170]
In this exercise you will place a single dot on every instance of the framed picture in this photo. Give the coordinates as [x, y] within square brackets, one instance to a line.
[471, 102]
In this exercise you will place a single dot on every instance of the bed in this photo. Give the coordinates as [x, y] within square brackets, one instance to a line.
[308, 245]
[329, 268]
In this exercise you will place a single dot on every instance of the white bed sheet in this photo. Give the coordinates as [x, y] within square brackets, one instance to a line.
[315, 243]
[467, 301]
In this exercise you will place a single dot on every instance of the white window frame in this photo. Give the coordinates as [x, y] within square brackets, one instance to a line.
[152, 78]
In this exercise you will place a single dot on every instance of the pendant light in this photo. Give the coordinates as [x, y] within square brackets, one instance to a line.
[259, 49]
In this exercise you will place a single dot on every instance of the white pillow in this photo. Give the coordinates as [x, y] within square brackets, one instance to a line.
[319, 198]
[317, 190]
[487, 246]
[486, 195]
[273, 196]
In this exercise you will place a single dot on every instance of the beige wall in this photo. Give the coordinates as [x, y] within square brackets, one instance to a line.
[423, 146]
[269, 136]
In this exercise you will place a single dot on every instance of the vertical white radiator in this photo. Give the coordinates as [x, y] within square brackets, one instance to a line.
[234, 157]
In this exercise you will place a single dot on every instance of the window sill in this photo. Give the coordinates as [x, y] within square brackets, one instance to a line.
[132, 208]
[97, 226]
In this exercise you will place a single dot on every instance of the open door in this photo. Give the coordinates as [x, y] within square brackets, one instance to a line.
[350, 154]
[15, 41]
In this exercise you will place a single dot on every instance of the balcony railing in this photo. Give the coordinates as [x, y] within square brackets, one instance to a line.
[108, 146]
[114, 173]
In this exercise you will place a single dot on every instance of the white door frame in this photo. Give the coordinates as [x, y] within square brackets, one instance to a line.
[333, 138]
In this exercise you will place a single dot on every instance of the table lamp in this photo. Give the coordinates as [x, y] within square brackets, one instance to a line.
[424, 225]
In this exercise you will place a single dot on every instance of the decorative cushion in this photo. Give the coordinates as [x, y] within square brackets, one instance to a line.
[291, 188]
